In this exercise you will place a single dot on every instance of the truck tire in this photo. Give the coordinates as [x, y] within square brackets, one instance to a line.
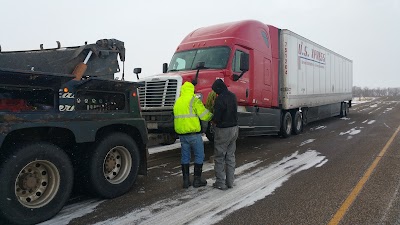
[113, 166]
[286, 125]
[36, 182]
[343, 109]
[297, 122]
[169, 138]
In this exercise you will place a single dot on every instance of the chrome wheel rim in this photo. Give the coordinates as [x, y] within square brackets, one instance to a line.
[37, 184]
[117, 165]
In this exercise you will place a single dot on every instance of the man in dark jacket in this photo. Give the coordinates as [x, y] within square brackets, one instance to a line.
[226, 132]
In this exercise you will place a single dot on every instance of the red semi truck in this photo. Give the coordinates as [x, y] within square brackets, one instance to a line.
[281, 80]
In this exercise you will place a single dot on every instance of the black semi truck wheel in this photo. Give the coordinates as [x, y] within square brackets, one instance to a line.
[113, 166]
[286, 124]
[297, 122]
[344, 109]
[36, 182]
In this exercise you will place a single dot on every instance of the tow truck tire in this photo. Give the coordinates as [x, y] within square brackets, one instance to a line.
[297, 122]
[113, 166]
[36, 182]
[286, 125]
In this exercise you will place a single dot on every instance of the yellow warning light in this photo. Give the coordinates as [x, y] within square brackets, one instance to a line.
[66, 90]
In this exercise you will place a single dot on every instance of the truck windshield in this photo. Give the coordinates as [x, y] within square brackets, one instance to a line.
[214, 58]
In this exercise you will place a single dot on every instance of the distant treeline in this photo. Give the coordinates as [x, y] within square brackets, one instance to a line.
[375, 92]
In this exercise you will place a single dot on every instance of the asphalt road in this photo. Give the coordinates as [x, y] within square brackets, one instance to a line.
[338, 171]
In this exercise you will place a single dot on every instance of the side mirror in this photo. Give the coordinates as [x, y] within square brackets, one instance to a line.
[137, 71]
[164, 67]
[244, 66]
[244, 62]
[200, 65]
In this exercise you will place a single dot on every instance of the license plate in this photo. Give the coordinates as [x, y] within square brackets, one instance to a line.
[152, 126]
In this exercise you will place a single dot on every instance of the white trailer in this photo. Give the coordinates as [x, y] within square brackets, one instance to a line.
[312, 75]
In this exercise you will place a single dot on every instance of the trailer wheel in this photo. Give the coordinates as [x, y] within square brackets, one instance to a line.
[297, 122]
[36, 182]
[113, 166]
[343, 109]
[286, 125]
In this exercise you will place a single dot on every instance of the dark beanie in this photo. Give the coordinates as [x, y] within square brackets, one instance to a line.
[219, 86]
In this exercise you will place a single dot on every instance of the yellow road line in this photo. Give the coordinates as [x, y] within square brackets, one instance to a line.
[353, 195]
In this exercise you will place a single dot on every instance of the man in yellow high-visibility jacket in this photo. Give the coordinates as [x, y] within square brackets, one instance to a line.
[188, 111]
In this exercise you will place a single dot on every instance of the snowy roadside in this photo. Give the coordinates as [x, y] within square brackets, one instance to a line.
[177, 144]
[360, 100]
[216, 204]
[255, 184]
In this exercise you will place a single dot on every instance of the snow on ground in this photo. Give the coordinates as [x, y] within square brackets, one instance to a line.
[387, 110]
[352, 131]
[73, 211]
[322, 163]
[369, 122]
[375, 110]
[358, 100]
[176, 145]
[374, 106]
[215, 204]
[208, 205]
[318, 128]
[306, 142]
[253, 186]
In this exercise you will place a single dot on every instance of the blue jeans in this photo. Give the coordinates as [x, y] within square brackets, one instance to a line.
[192, 142]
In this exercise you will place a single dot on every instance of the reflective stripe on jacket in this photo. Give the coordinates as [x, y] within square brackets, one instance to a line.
[188, 109]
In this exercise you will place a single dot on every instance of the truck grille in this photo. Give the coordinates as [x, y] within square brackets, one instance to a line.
[158, 94]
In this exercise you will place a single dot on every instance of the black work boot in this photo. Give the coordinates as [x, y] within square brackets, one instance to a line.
[198, 181]
[185, 174]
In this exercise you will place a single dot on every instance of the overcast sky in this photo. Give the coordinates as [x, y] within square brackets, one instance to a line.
[365, 31]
